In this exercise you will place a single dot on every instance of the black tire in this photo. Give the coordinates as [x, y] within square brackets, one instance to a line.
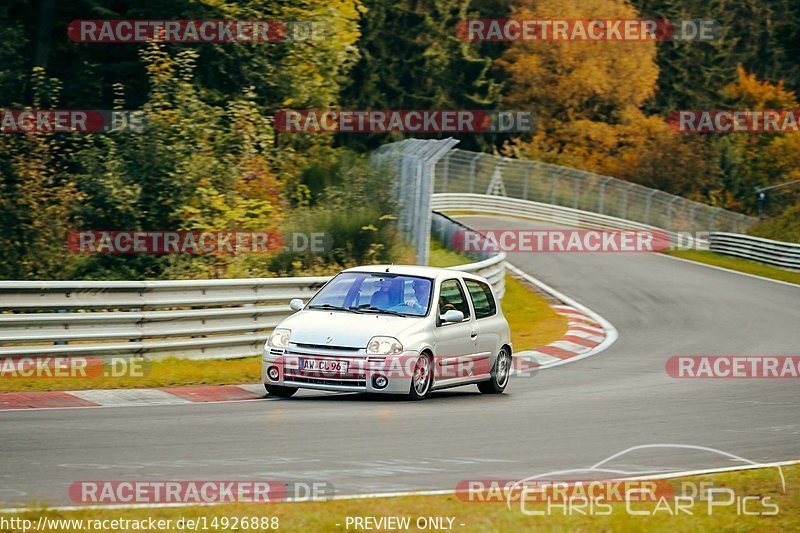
[497, 383]
[420, 388]
[279, 391]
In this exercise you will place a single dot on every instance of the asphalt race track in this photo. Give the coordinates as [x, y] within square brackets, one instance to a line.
[571, 416]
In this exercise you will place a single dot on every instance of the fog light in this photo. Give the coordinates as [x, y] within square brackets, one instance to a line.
[379, 382]
[272, 373]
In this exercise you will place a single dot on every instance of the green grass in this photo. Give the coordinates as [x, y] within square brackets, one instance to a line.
[164, 373]
[533, 322]
[324, 516]
[736, 263]
[442, 257]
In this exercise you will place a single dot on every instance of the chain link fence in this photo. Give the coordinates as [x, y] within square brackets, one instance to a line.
[412, 162]
[460, 171]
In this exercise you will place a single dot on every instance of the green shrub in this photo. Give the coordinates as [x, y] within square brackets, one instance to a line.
[358, 215]
[784, 227]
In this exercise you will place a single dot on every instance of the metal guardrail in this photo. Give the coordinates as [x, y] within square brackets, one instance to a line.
[776, 253]
[152, 294]
[781, 254]
[192, 319]
[562, 216]
[206, 319]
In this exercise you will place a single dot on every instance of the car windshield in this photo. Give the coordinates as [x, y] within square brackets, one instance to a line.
[365, 292]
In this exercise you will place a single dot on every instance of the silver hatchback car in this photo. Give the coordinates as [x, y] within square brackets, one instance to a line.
[395, 330]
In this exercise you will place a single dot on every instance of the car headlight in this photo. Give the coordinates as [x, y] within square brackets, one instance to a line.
[279, 338]
[384, 346]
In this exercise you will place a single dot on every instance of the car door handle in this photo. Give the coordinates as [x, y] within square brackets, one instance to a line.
[474, 335]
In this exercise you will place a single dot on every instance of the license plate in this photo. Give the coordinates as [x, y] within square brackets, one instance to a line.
[323, 365]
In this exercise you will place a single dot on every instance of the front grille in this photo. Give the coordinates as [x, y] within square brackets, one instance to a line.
[352, 374]
[326, 347]
[325, 381]
[333, 354]
[275, 352]
[356, 375]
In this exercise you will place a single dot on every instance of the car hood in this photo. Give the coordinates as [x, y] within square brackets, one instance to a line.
[344, 329]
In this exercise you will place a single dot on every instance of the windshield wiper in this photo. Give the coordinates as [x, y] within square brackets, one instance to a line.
[367, 307]
[329, 306]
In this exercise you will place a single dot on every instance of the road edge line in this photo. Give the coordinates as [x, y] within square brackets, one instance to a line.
[611, 332]
[732, 271]
[378, 495]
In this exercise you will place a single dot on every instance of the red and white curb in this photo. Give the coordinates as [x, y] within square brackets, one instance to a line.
[583, 334]
[15, 401]
[587, 333]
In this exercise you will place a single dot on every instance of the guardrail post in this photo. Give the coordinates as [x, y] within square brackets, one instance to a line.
[423, 190]
[602, 196]
[712, 218]
[472, 172]
[647, 207]
[625, 204]
[669, 214]
[445, 173]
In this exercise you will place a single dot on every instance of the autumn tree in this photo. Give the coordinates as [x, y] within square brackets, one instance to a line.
[763, 37]
[589, 96]
[755, 160]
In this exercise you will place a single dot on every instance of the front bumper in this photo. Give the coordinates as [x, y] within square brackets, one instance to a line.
[360, 376]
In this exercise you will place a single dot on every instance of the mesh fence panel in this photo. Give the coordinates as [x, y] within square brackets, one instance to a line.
[460, 171]
[410, 165]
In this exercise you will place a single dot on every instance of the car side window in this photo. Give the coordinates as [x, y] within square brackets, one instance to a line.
[451, 296]
[482, 298]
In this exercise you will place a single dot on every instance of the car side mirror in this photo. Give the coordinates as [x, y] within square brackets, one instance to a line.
[296, 304]
[453, 316]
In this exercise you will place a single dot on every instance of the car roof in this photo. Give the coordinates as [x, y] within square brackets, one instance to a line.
[415, 270]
